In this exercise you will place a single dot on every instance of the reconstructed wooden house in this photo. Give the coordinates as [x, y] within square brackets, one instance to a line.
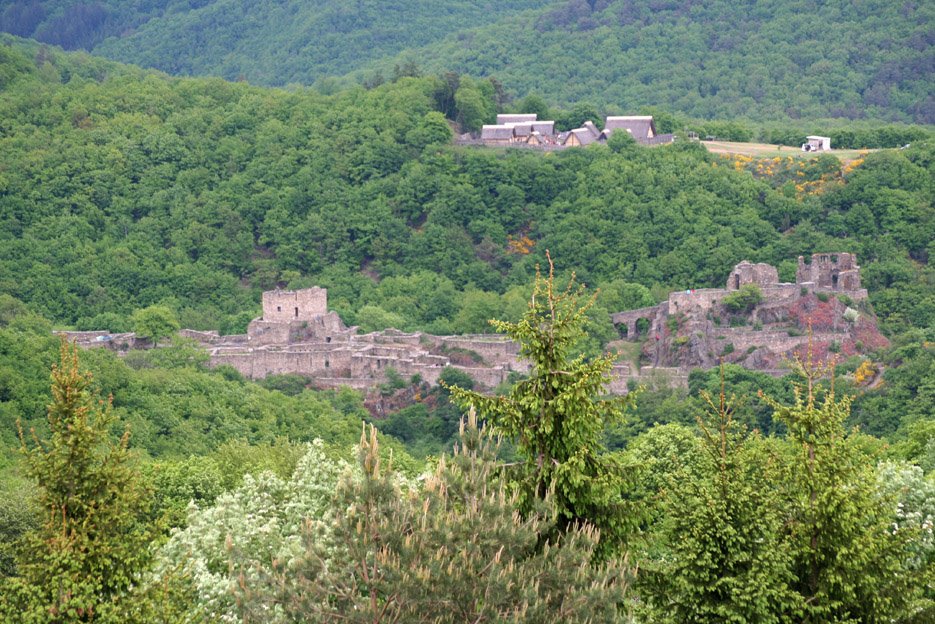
[496, 135]
[515, 118]
[512, 129]
[579, 137]
[641, 127]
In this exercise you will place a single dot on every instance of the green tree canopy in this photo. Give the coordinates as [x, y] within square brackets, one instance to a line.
[847, 562]
[154, 323]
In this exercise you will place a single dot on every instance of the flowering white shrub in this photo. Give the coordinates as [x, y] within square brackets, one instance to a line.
[237, 541]
[915, 510]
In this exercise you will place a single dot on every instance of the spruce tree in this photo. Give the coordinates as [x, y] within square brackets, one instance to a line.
[847, 559]
[80, 565]
[724, 559]
[556, 418]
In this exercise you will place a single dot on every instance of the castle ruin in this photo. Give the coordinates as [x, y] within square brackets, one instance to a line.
[837, 272]
[695, 329]
[297, 334]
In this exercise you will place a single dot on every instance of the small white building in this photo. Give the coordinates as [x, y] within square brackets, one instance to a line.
[816, 144]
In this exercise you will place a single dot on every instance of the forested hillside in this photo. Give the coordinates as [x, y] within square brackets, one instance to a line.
[142, 486]
[756, 59]
[271, 43]
[121, 189]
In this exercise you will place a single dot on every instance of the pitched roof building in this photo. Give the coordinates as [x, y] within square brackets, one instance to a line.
[579, 137]
[516, 118]
[641, 127]
[496, 134]
[517, 128]
[590, 127]
[543, 127]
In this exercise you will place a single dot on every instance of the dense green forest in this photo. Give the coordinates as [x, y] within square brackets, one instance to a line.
[123, 188]
[757, 59]
[270, 43]
[120, 189]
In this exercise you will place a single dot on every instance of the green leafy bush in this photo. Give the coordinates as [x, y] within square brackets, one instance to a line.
[743, 299]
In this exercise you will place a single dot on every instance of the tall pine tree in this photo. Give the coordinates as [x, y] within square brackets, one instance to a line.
[86, 557]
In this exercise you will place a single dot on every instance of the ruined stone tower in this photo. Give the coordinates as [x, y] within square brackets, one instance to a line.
[763, 275]
[283, 306]
[837, 271]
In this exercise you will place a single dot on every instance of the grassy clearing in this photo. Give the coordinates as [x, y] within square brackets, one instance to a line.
[764, 150]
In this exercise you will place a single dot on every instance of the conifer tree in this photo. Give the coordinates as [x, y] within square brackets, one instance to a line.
[455, 551]
[87, 555]
[847, 560]
[725, 560]
[556, 417]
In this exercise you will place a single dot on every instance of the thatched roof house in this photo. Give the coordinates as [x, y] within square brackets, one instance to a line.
[641, 127]
[515, 118]
[536, 138]
[590, 127]
[496, 134]
[579, 137]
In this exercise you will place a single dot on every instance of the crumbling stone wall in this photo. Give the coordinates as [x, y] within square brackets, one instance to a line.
[696, 301]
[761, 274]
[830, 271]
[629, 319]
[97, 339]
[325, 328]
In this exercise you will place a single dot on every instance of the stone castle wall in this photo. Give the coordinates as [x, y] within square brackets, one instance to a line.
[763, 275]
[297, 334]
[827, 271]
[701, 300]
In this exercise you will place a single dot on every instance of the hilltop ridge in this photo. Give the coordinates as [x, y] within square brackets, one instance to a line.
[759, 59]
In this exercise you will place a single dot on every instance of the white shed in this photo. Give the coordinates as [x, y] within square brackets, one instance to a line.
[816, 144]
